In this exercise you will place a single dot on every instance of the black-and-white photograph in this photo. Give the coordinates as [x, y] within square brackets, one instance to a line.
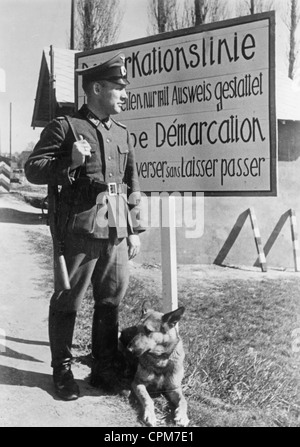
[149, 214]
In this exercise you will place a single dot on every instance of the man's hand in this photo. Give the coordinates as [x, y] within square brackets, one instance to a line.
[134, 245]
[80, 150]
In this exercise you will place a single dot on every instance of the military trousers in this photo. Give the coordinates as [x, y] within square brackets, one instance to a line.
[100, 262]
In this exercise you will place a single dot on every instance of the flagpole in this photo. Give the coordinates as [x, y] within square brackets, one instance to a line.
[72, 44]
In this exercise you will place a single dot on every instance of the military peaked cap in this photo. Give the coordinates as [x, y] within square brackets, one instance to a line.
[112, 70]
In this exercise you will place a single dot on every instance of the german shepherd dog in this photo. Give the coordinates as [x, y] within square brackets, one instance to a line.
[154, 344]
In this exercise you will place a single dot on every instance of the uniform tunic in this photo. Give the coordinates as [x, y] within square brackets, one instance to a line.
[98, 256]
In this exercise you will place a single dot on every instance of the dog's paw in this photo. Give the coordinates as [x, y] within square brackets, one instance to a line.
[181, 419]
[149, 417]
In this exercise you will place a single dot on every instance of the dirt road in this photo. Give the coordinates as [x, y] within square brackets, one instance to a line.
[26, 392]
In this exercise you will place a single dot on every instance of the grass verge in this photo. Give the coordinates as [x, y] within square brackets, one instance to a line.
[241, 367]
[240, 337]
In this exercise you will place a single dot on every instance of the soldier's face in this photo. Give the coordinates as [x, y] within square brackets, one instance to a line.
[111, 97]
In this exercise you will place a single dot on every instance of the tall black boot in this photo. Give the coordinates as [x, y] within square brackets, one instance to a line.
[105, 347]
[61, 329]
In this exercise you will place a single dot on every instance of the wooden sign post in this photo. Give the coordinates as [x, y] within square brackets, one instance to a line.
[168, 252]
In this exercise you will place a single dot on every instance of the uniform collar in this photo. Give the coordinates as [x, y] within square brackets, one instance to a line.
[90, 116]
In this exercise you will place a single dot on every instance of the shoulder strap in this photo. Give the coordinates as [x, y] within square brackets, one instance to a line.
[74, 132]
[118, 123]
[69, 120]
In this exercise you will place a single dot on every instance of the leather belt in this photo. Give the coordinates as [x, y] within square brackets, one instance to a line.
[116, 188]
[94, 188]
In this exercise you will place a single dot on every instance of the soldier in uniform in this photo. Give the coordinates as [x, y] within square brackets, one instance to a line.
[89, 158]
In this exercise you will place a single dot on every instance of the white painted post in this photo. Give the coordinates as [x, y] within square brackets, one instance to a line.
[295, 240]
[168, 252]
[258, 242]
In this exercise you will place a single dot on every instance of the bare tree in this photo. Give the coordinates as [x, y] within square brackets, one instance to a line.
[98, 23]
[201, 9]
[170, 15]
[163, 16]
[197, 12]
[294, 19]
[245, 7]
[218, 10]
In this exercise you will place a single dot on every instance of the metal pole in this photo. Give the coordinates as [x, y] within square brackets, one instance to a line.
[72, 25]
[52, 98]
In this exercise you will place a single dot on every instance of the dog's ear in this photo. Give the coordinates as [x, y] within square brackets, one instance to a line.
[172, 318]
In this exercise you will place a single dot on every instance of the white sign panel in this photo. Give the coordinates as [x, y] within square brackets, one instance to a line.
[201, 107]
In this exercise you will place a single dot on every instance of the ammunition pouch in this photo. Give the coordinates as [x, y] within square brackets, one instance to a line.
[86, 204]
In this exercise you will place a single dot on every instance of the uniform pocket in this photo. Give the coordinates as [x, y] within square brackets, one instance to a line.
[84, 222]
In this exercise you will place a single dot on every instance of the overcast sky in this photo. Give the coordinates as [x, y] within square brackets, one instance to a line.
[26, 28]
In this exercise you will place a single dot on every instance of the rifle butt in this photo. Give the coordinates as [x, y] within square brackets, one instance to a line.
[61, 276]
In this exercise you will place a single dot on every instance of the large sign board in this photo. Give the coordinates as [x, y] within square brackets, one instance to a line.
[201, 106]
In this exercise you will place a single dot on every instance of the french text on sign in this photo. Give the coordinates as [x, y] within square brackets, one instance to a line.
[201, 107]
